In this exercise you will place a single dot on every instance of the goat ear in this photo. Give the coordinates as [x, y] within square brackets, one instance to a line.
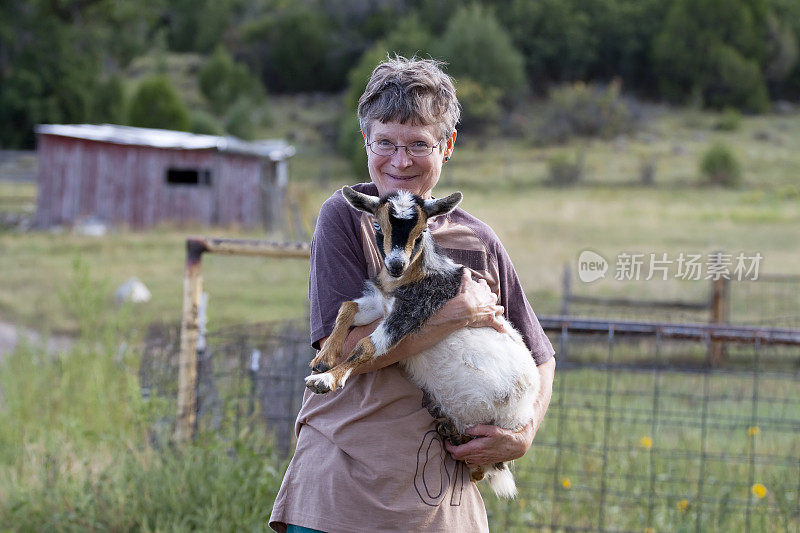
[442, 206]
[362, 202]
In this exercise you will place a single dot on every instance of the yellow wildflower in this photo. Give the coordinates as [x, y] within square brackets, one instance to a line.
[758, 490]
[752, 431]
[646, 443]
[565, 482]
[683, 505]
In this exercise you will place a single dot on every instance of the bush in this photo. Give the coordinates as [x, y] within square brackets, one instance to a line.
[479, 48]
[204, 123]
[109, 101]
[565, 171]
[586, 111]
[713, 51]
[480, 106]
[157, 104]
[737, 82]
[240, 120]
[223, 81]
[719, 166]
[730, 120]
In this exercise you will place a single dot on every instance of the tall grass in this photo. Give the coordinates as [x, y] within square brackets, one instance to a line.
[78, 451]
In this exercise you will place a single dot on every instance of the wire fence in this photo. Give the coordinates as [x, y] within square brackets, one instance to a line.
[641, 434]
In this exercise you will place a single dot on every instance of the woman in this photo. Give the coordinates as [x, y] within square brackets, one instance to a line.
[369, 457]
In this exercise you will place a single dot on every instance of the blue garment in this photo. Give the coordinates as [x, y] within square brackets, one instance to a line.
[291, 528]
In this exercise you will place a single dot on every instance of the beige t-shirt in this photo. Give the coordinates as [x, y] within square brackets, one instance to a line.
[368, 457]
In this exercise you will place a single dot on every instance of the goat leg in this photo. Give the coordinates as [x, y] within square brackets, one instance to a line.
[336, 377]
[332, 349]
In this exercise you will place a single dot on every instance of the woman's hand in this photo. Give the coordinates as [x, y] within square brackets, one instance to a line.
[475, 305]
[492, 444]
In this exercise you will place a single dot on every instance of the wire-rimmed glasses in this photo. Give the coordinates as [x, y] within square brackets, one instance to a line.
[386, 147]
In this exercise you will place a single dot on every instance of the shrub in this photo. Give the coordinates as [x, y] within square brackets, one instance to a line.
[240, 120]
[479, 48]
[714, 53]
[109, 101]
[719, 166]
[204, 123]
[224, 81]
[480, 105]
[157, 104]
[586, 111]
[730, 120]
[564, 170]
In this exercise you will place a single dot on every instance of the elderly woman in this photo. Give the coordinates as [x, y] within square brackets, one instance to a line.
[368, 458]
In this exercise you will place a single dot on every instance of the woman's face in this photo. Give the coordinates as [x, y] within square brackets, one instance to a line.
[401, 171]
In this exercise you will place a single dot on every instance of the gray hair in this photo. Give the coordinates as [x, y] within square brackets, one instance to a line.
[410, 90]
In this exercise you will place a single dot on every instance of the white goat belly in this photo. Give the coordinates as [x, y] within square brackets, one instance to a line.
[479, 376]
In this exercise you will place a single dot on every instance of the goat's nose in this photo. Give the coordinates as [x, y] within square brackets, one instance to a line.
[396, 267]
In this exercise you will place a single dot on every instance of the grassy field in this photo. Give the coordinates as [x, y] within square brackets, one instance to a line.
[76, 448]
[543, 228]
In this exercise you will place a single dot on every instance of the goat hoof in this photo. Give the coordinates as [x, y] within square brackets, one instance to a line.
[320, 383]
[320, 368]
[445, 429]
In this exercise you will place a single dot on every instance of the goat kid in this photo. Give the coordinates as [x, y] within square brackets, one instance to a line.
[473, 376]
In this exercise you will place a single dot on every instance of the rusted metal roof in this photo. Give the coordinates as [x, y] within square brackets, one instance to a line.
[276, 150]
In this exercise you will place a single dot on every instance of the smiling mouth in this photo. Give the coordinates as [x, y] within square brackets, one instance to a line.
[402, 178]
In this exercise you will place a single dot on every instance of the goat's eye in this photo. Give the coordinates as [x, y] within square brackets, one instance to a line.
[376, 226]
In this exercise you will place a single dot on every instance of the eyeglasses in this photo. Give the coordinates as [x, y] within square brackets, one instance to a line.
[416, 149]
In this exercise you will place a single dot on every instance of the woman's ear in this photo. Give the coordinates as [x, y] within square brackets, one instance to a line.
[451, 143]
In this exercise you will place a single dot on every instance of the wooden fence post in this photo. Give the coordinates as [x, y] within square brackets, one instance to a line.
[187, 365]
[720, 307]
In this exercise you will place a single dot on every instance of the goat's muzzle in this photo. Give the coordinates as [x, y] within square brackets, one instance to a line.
[396, 267]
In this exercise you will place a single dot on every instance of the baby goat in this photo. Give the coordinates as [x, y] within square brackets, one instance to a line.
[475, 375]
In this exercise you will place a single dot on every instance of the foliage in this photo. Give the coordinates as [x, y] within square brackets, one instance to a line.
[204, 123]
[109, 101]
[156, 104]
[294, 49]
[720, 166]
[224, 81]
[586, 111]
[51, 60]
[726, 73]
[480, 105]
[240, 119]
[198, 25]
[730, 120]
[477, 47]
[565, 171]
[568, 40]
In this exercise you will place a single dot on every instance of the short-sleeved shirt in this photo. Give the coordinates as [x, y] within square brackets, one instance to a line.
[368, 457]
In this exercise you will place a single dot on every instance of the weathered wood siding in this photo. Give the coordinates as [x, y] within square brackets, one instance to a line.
[127, 185]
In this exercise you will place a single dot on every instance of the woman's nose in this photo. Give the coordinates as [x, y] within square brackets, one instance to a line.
[401, 159]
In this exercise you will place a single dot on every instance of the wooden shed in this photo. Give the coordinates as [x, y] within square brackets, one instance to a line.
[139, 177]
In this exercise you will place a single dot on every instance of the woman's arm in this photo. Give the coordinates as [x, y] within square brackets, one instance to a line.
[475, 305]
[494, 444]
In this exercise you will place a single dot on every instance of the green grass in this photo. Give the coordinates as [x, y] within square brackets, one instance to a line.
[612, 453]
[80, 450]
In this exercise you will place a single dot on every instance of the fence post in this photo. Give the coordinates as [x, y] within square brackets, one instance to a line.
[187, 365]
[566, 289]
[720, 290]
